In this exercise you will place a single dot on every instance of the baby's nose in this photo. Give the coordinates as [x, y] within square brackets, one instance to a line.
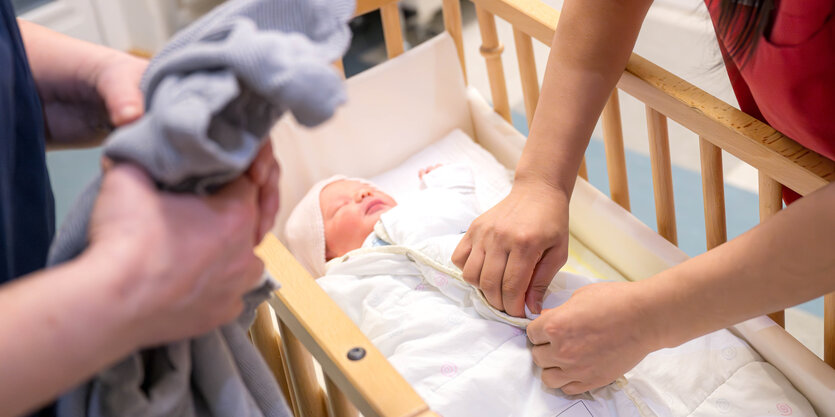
[364, 193]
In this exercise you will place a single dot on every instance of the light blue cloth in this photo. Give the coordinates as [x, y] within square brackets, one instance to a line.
[212, 95]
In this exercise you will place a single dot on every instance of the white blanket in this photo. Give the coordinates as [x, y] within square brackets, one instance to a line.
[465, 359]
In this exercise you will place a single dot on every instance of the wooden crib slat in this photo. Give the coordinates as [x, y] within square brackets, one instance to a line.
[615, 158]
[265, 337]
[713, 190]
[662, 175]
[527, 72]
[303, 308]
[492, 50]
[829, 329]
[392, 29]
[307, 393]
[338, 404]
[583, 172]
[771, 202]
[453, 25]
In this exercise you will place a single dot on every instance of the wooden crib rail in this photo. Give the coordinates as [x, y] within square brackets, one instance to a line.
[367, 382]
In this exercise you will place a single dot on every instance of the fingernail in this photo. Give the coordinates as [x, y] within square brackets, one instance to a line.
[129, 113]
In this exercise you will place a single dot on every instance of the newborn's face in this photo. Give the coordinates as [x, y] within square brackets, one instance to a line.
[350, 209]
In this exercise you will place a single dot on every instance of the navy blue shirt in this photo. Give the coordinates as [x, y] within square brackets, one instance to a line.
[26, 206]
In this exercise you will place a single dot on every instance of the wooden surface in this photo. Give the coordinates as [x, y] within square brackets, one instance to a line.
[771, 202]
[392, 29]
[662, 175]
[734, 131]
[372, 384]
[492, 50]
[265, 337]
[713, 190]
[453, 25]
[829, 329]
[338, 404]
[527, 72]
[308, 395]
[366, 6]
[615, 157]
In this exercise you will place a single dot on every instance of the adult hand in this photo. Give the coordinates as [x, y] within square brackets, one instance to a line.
[513, 250]
[188, 260]
[599, 334]
[264, 173]
[87, 107]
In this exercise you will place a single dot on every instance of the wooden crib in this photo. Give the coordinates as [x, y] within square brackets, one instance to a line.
[304, 323]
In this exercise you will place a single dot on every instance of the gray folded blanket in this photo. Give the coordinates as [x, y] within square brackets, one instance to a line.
[212, 95]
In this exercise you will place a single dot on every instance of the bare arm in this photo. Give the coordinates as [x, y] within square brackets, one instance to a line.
[604, 330]
[86, 89]
[513, 250]
[59, 326]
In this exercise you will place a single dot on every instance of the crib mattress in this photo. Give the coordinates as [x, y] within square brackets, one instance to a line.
[461, 373]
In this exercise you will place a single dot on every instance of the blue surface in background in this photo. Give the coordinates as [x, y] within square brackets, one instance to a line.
[742, 207]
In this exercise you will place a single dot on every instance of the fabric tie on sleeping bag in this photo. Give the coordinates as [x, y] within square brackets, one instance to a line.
[212, 95]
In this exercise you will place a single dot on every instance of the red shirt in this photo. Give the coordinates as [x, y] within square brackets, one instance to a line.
[789, 81]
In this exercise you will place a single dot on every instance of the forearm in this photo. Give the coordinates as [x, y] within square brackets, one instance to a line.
[592, 43]
[58, 327]
[780, 263]
[60, 64]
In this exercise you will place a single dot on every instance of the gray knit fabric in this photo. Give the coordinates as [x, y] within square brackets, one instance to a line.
[212, 95]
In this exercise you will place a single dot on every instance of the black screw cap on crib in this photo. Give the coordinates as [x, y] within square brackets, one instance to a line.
[356, 353]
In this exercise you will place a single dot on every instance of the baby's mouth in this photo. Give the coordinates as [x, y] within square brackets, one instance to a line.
[374, 206]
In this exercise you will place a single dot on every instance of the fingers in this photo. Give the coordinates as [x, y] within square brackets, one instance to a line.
[472, 269]
[462, 252]
[536, 331]
[556, 378]
[263, 164]
[126, 175]
[490, 280]
[552, 260]
[520, 267]
[268, 201]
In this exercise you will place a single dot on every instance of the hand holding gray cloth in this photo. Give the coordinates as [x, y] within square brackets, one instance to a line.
[212, 94]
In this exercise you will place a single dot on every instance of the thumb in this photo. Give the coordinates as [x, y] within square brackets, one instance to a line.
[543, 274]
[118, 86]
[123, 101]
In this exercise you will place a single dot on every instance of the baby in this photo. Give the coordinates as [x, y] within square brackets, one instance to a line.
[338, 214]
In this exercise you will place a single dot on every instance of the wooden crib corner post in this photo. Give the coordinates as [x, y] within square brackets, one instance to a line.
[615, 157]
[771, 202]
[492, 50]
[662, 175]
[453, 25]
[713, 192]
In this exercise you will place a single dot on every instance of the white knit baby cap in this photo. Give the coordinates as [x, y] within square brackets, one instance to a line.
[305, 229]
